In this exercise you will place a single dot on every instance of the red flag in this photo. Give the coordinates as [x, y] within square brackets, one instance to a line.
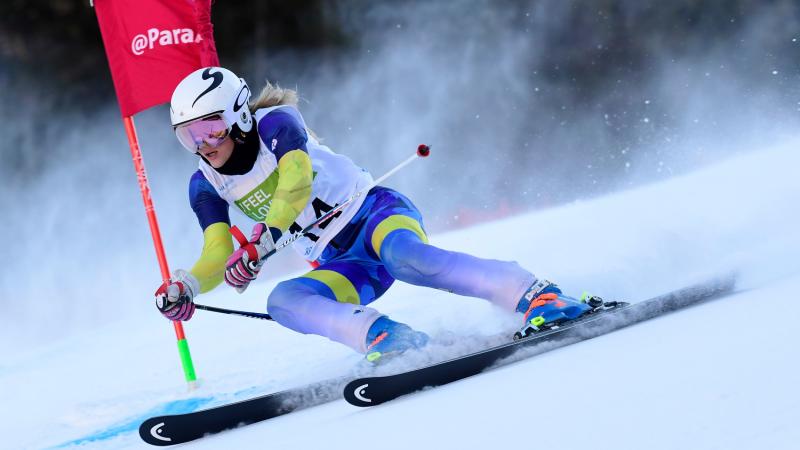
[152, 45]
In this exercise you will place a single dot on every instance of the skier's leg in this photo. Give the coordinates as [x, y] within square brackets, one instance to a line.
[326, 303]
[329, 301]
[394, 234]
[409, 258]
[505, 284]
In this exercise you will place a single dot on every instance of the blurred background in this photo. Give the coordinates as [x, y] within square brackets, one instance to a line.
[527, 105]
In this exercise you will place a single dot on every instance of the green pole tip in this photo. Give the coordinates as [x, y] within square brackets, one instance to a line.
[186, 361]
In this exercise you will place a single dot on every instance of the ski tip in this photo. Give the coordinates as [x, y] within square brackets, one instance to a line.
[357, 393]
[153, 432]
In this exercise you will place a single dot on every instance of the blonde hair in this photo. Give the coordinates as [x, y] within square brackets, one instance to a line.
[274, 95]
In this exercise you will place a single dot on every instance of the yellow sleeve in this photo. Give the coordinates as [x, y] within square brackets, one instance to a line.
[293, 191]
[217, 247]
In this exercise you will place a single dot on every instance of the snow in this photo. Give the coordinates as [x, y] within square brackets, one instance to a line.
[722, 375]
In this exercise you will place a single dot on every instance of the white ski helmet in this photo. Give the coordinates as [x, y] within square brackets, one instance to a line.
[208, 92]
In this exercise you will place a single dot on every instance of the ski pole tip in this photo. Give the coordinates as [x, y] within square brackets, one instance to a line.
[423, 150]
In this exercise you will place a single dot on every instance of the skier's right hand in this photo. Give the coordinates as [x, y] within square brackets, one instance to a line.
[175, 297]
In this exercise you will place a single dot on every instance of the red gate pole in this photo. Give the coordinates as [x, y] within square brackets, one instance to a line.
[144, 187]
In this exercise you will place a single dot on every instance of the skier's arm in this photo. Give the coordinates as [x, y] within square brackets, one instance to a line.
[217, 246]
[212, 213]
[293, 190]
[285, 135]
[290, 198]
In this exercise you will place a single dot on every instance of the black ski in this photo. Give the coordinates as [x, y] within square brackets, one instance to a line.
[373, 391]
[180, 428]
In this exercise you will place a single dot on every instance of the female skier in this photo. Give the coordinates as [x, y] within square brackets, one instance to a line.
[262, 159]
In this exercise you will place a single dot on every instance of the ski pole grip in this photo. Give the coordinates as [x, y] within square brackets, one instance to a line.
[243, 242]
[239, 236]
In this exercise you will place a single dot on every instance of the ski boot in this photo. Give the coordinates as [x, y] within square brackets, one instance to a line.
[387, 338]
[544, 306]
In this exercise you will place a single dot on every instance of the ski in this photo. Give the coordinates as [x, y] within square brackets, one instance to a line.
[175, 429]
[372, 391]
[179, 428]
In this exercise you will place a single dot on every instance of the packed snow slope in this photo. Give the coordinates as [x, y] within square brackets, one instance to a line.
[722, 375]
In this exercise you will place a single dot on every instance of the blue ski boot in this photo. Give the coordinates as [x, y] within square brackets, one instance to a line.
[545, 306]
[387, 338]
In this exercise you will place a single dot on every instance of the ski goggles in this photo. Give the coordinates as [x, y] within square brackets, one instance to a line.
[210, 132]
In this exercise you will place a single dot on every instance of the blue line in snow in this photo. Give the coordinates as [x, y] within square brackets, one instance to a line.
[174, 407]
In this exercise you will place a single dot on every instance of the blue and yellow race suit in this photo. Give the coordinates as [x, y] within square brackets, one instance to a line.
[378, 238]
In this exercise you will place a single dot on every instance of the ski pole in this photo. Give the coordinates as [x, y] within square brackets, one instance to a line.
[234, 312]
[422, 152]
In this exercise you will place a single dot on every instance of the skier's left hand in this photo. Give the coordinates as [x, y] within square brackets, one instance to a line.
[245, 263]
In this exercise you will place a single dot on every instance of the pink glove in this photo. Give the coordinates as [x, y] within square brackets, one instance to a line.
[245, 263]
[174, 298]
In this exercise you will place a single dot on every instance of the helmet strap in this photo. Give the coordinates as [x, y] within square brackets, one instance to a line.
[238, 136]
